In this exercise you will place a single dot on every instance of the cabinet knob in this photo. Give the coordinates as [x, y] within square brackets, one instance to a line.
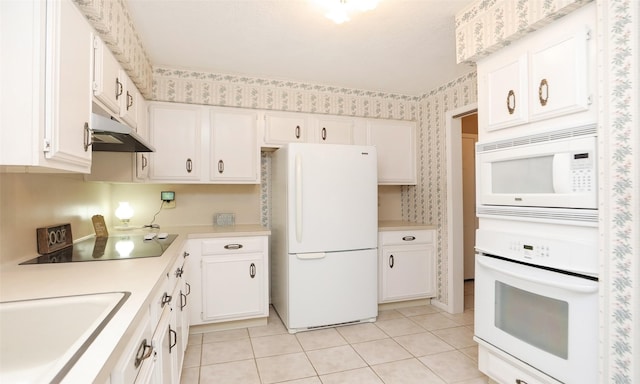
[185, 254]
[252, 270]
[297, 131]
[220, 166]
[391, 261]
[145, 162]
[129, 100]
[189, 165]
[88, 138]
[543, 92]
[166, 299]
[511, 101]
[324, 133]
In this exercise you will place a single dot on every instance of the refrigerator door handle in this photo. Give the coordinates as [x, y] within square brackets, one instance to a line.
[311, 256]
[298, 198]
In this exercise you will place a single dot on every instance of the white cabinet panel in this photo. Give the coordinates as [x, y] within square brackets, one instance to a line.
[107, 86]
[334, 130]
[395, 142]
[176, 135]
[234, 146]
[505, 87]
[281, 128]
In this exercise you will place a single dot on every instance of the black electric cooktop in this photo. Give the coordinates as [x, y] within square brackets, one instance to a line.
[119, 247]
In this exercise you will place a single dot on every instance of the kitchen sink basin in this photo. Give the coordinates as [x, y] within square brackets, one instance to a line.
[41, 339]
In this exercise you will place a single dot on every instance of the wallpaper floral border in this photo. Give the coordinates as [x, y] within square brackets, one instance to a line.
[488, 25]
[620, 193]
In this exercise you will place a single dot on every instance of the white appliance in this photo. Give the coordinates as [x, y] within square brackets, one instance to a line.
[536, 302]
[546, 175]
[324, 234]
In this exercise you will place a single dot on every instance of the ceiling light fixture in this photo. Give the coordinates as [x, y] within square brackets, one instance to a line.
[339, 11]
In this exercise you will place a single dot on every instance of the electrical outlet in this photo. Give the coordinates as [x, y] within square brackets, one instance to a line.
[168, 199]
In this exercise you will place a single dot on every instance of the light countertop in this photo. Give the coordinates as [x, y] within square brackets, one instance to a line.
[397, 225]
[137, 276]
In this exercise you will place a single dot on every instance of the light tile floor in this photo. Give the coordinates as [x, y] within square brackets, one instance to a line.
[406, 345]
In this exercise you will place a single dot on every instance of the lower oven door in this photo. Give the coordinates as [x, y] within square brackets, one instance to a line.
[546, 319]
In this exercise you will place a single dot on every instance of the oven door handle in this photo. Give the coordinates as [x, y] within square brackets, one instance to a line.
[578, 288]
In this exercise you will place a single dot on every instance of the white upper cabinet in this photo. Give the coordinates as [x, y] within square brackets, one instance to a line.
[46, 72]
[235, 155]
[107, 86]
[395, 143]
[334, 130]
[128, 100]
[285, 127]
[175, 133]
[547, 74]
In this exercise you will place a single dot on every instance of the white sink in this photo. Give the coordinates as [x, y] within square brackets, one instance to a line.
[41, 339]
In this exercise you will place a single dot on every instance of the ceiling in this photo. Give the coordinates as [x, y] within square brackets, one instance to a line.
[403, 46]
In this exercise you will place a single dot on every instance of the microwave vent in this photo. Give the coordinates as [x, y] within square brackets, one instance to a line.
[587, 217]
[587, 130]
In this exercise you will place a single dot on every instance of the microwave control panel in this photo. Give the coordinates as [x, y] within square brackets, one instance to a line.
[582, 172]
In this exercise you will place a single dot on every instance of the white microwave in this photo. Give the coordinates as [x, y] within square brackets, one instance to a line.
[549, 170]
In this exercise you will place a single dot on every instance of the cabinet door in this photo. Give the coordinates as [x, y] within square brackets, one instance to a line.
[282, 128]
[234, 146]
[68, 83]
[142, 128]
[559, 76]
[407, 272]
[395, 142]
[233, 287]
[129, 100]
[502, 91]
[107, 85]
[334, 130]
[175, 133]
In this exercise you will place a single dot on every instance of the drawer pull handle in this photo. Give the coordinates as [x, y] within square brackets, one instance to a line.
[233, 246]
[252, 270]
[220, 166]
[324, 134]
[179, 272]
[391, 261]
[144, 351]
[520, 381]
[118, 88]
[409, 238]
[166, 299]
[175, 338]
[189, 165]
[188, 288]
[185, 254]
[297, 132]
[183, 300]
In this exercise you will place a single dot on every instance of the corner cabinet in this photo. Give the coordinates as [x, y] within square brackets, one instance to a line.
[233, 279]
[406, 265]
[46, 85]
[548, 74]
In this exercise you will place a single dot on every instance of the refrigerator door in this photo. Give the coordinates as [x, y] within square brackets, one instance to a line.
[332, 202]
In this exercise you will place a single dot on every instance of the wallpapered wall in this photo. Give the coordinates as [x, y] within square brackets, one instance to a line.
[487, 25]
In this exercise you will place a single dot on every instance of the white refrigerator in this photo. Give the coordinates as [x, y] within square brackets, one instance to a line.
[324, 235]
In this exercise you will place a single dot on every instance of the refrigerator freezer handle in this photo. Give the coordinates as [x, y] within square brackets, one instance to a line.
[298, 198]
[311, 256]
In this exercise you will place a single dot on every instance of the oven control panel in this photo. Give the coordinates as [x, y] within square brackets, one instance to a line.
[578, 255]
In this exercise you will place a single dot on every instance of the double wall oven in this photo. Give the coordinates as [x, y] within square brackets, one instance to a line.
[536, 283]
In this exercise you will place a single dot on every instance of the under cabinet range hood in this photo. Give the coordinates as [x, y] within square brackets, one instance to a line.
[112, 136]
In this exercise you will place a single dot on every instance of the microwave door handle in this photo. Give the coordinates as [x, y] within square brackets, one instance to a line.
[578, 288]
[561, 169]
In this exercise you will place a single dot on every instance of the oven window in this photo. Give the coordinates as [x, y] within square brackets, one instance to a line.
[537, 320]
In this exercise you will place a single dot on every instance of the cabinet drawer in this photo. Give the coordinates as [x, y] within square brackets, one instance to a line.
[137, 354]
[406, 237]
[226, 246]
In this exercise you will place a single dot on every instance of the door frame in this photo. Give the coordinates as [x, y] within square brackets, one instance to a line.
[455, 230]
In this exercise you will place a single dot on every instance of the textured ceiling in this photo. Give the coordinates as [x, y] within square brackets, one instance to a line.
[403, 46]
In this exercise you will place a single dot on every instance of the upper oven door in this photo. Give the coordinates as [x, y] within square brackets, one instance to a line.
[553, 174]
[548, 320]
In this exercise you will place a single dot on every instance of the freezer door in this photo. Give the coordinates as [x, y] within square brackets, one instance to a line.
[332, 198]
[332, 288]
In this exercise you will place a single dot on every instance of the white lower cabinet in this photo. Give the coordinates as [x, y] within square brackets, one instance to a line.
[234, 278]
[407, 265]
[156, 350]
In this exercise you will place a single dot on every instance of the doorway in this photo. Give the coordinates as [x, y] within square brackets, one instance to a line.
[455, 202]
